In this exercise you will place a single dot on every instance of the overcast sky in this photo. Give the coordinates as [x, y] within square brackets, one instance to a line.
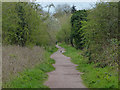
[67, 0]
[80, 4]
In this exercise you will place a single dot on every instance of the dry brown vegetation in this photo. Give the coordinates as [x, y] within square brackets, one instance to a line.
[15, 59]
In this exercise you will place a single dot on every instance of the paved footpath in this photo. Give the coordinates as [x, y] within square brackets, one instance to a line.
[65, 74]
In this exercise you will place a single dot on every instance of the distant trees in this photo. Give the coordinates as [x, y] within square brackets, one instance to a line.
[63, 34]
[61, 10]
[63, 15]
[23, 24]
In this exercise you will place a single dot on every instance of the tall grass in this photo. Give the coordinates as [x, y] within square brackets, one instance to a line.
[15, 59]
[32, 77]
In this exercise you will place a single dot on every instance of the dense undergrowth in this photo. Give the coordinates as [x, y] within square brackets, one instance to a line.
[93, 77]
[35, 77]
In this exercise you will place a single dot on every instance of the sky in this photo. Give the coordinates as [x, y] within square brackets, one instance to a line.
[80, 4]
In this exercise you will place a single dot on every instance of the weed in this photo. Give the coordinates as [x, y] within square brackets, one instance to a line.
[93, 77]
[34, 77]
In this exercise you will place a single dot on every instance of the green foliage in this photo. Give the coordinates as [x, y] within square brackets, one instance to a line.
[31, 78]
[23, 24]
[93, 77]
[100, 33]
[76, 32]
[52, 29]
[51, 49]
[96, 32]
[35, 77]
[63, 34]
[63, 15]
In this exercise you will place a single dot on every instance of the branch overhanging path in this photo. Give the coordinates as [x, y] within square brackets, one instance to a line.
[65, 74]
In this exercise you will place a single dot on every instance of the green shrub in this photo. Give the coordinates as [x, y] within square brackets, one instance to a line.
[93, 77]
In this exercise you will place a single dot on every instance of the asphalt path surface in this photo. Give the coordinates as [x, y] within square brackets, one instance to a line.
[65, 74]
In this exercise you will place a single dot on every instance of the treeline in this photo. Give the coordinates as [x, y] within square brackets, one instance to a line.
[63, 15]
[26, 24]
[95, 31]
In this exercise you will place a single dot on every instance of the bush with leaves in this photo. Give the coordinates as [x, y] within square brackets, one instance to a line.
[101, 31]
[24, 24]
[63, 34]
[76, 32]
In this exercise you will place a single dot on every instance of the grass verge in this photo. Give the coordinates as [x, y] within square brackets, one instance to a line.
[35, 77]
[93, 77]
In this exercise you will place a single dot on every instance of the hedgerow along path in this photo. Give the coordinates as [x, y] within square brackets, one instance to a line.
[65, 74]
